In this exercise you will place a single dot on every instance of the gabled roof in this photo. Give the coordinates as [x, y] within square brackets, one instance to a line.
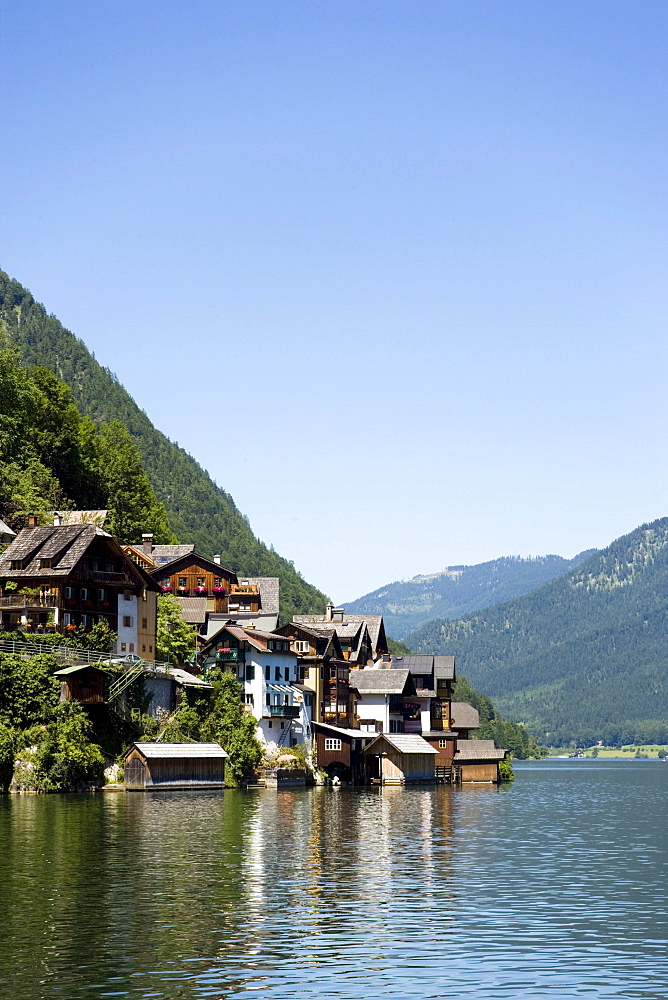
[353, 734]
[161, 554]
[66, 671]
[463, 716]
[348, 625]
[169, 565]
[64, 546]
[422, 663]
[258, 639]
[188, 750]
[372, 681]
[193, 609]
[328, 636]
[477, 750]
[268, 586]
[402, 743]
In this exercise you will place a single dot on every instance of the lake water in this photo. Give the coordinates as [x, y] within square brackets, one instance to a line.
[553, 887]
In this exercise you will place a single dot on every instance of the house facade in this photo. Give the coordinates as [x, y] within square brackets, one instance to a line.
[325, 671]
[64, 577]
[273, 691]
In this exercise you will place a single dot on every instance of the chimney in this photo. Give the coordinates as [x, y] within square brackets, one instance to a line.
[32, 520]
[329, 607]
[57, 520]
[216, 559]
[147, 542]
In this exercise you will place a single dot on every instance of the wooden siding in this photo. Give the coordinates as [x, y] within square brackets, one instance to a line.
[398, 769]
[484, 770]
[174, 772]
[327, 757]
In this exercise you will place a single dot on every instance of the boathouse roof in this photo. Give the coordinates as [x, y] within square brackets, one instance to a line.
[187, 750]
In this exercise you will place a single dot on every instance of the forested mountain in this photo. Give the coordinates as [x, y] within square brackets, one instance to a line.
[197, 509]
[459, 590]
[585, 656]
[52, 458]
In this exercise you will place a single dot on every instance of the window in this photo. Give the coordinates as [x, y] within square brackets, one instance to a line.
[301, 646]
[127, 594]
[85, 594]
[443, 744]
[132, 647]
[287, 673]
[144, 595]
[201, 581]
[250, 672]
[267, 673]
[268, 699]
[277, 674]
[68, 593]
[45, 563]
[150, 649]
[67, 618]
[332, 744]
[183, 581]
[127, 621]
[249, 699]
[123, 647]
[16, 563]
[270, 644]
[102, 595]
[144, 623]
[143, 649]
[217, 581]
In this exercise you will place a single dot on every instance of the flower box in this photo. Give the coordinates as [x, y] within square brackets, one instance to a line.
[166, 590]
[184, 591]
[219, 591]
[200, 590]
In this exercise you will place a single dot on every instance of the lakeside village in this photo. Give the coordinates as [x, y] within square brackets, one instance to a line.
[328, 701]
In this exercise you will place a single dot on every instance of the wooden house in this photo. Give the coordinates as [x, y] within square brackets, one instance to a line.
[174, 766]
[325, 671]
[64, 577]
[339, 751]
[478, 761]
[462, 717]
[401, 759]
[362, 637]
[86, 684]
[385, 698]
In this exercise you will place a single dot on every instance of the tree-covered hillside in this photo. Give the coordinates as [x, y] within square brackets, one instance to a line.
[584, 656]
[198, 510]
[459, 590]
[53, 458]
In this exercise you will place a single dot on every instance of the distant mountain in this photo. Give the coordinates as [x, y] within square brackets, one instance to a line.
[198, 510]
[459, 590]
[585, 656]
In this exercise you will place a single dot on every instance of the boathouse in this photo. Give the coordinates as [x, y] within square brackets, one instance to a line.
[85, 684]
[478, 760]
[174, 765]
[401, 759]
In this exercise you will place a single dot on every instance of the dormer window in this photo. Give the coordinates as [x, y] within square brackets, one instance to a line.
[16, 563]
[45, 563]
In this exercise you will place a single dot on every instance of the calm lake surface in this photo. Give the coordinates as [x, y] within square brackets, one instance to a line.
[553, 887]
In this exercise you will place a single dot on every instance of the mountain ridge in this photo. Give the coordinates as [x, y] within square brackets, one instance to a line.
[457, 591]
[582, 654]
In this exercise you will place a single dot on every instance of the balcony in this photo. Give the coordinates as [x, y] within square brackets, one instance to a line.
[227, 656]
[244, 588]
[284, 711]
[29, 601]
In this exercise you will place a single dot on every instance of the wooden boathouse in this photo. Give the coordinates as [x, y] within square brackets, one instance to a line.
[174, 766]
[401, 759]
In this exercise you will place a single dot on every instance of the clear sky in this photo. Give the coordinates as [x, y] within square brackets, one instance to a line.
[393, 272]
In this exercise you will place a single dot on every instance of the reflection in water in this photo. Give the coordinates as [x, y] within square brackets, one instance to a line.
[549, 888]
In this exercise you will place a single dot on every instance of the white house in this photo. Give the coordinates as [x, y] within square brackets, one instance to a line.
[269, 671]
[382, 703]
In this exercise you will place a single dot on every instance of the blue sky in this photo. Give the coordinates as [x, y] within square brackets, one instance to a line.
[394, 273]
